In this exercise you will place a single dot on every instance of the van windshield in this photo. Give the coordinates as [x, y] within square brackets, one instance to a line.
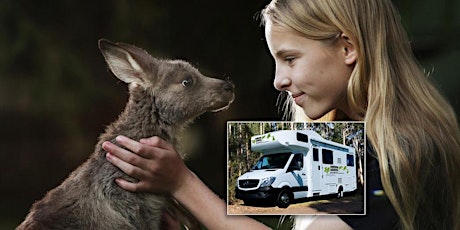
[272, 161]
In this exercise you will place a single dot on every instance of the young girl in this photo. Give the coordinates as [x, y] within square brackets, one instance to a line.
[412, 129]
[347, 60]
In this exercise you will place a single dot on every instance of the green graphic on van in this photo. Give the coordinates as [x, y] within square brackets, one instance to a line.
[263, 138]
[336, 169]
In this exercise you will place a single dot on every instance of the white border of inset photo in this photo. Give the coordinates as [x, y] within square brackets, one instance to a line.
[296, 168]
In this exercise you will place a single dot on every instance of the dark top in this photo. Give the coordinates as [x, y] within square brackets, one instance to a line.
[380, 214]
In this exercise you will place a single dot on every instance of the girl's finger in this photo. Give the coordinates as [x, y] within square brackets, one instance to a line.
[127, 168]
[128, 186]
[132, 145]
[122, 154]
[156, 141]
[136, 147]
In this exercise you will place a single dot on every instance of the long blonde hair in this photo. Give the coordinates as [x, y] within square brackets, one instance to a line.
[412, 128]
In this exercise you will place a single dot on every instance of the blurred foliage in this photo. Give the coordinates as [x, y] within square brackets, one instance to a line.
[56, 95]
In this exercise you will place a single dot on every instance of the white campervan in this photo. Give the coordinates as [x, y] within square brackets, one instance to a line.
[297, 164]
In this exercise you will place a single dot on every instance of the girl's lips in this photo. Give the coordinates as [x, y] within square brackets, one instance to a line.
[298, 98]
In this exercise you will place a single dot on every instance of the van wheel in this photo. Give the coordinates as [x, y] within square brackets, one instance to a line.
[249, 202]
[284, 199]
[340, 193]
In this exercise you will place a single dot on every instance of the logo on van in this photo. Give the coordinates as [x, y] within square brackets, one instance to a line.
[336, 169]
[263, 138]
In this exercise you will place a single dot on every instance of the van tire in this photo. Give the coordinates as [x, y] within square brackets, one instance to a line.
[249, 202]
[284, 198]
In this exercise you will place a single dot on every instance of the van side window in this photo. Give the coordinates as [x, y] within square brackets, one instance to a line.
[350, 160]
[327, 156]
[315, 154]
[297, 160]
[302, 137]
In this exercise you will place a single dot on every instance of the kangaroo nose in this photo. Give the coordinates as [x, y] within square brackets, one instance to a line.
[229, 87]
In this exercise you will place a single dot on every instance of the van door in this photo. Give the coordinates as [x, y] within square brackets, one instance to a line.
[316, 172]
[297, 169]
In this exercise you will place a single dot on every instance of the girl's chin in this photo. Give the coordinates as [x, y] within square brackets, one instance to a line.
[313, 114]
[309, 109]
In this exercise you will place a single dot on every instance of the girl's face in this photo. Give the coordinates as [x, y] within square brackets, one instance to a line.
[315, 73]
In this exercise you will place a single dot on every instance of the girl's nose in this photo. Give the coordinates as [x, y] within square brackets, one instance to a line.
[282, 81]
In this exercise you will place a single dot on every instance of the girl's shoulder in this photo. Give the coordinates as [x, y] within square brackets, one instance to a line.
[379, 214]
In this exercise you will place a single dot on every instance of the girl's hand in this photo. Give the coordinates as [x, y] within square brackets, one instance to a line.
[160, 170]
[153, 161]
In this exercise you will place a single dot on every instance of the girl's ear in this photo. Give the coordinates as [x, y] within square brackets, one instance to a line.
[349, 49]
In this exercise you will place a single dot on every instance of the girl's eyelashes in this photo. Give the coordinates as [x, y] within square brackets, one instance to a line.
[289, 59]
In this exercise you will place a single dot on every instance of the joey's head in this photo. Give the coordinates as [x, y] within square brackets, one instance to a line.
[178, 91]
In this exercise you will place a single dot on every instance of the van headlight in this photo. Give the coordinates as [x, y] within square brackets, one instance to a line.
[267, 181]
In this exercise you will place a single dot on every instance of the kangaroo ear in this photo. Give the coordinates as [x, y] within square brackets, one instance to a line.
[129, 63]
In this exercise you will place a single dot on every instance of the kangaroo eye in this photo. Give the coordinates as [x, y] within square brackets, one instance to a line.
[187, 82]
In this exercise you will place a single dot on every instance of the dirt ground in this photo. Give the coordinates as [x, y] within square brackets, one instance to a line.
[353, 204]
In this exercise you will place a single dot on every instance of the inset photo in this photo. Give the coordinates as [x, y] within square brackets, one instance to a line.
[296, 168]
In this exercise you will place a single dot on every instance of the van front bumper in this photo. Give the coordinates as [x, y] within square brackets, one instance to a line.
[260, 193]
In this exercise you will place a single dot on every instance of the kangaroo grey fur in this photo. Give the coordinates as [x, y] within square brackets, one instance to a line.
[165, 95]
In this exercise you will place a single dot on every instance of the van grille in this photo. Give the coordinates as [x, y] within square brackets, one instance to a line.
[248, 183]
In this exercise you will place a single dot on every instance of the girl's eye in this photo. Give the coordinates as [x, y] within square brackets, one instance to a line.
[187, 82]
[289, 59]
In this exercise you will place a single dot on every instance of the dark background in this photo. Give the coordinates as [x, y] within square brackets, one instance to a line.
[57, 96]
